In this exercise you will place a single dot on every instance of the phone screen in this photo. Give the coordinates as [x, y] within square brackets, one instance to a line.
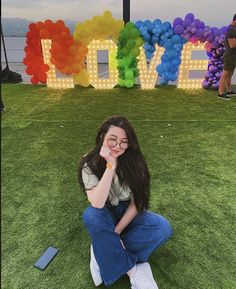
[46, 258]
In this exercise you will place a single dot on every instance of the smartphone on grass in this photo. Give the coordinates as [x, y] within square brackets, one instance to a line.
[46, 258]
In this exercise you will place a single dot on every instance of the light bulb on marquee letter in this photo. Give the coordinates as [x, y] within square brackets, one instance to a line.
[188, 64]
[148, 76]
[52, 80]
[92, 64]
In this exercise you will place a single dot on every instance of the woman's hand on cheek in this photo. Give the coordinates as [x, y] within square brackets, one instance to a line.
[105, 153]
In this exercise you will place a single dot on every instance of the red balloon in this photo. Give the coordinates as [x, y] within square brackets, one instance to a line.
[39, 25]
[42, 76]
[48, 22]
[45, 67]
[34, 80]
[44, 34]
[60, 23]
[32, 26]
[29, 70]
[36, 69]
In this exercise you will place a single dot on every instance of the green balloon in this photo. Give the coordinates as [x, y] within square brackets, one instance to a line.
[129, 25]
[125, 51]
[131, 44]
[135, 51]
[124, 33]
[129, 74]
[121, 82]
[129, 83]
[134, 33]
[139, 41]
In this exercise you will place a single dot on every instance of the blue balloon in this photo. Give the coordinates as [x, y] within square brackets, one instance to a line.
[173, 69]
[139, 24]
[173, 77]
[163, 81]
[157, 22]
[171, 54]
[164, 58]
[160, 68]
[167, 66]
[176, 61]
[176, 39]
[168, 44]
[166, 26]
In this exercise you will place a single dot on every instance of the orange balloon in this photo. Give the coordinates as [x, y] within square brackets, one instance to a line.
[60, 57]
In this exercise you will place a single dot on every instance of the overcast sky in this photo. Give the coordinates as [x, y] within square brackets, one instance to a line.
[213, 12]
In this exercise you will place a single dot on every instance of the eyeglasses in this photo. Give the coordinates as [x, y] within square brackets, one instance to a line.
[113, 143]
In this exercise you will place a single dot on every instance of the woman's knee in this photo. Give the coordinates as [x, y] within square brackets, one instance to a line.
[94, 216]
[165, 228]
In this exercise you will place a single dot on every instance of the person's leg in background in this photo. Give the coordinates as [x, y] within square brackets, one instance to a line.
[224, 84]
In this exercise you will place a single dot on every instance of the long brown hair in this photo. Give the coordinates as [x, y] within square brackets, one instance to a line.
[131, 168]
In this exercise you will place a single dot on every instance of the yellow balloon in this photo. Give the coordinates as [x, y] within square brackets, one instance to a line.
[82, 78]
[99, 27]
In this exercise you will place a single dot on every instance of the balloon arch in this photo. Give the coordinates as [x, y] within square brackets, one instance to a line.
[50, 46]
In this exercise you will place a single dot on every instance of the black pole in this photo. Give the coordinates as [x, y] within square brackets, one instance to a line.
[6, 74]
[4, 47]
[126, 11]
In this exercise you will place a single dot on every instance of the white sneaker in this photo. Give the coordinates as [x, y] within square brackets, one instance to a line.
[94, 269]
[142, 277]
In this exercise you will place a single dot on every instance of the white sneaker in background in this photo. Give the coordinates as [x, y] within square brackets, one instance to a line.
[142, 277]
[94, 269]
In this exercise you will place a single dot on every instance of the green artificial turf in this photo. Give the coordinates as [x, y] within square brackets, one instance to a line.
[189, 140]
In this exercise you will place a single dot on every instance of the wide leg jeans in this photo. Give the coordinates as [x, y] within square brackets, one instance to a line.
[145, 233]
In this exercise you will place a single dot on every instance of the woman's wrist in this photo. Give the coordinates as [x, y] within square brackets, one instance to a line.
[110, 166]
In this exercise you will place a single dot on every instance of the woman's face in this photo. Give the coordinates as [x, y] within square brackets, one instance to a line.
[116, 140]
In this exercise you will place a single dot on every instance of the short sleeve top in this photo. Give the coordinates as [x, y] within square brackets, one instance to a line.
[117, 192]
[231, 33]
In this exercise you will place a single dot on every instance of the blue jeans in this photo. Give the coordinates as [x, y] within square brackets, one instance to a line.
[144, 234]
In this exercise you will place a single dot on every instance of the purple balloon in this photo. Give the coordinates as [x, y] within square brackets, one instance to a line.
[218, 75]
[201, 25]
[205, 84]
[210, 38]
[188, 29]
[177, 21]
[215, 44]
[215, 85]
[178, 29]
[224, 29]
[207, 75]
[220, 50]
[213, 68]
[186, 23]
[189, 16]
[197, 23]
[199, 32]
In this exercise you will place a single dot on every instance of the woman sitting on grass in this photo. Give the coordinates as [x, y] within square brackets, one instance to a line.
[116, 179]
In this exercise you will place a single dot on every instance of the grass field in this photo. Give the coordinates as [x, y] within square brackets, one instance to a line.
[189, 141]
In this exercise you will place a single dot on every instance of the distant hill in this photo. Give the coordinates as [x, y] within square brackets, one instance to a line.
[18, 27]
